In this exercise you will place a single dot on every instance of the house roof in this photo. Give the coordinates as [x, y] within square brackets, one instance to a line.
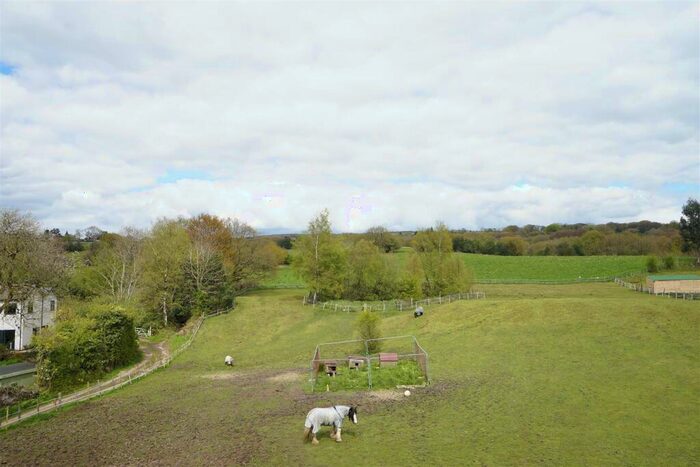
[679, 277]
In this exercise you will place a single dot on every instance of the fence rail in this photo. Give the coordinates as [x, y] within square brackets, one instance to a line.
[418, 354]
[643, 289]
[394, 305]
[28, 409]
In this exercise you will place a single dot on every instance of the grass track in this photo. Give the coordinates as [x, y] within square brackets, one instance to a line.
[566, 375]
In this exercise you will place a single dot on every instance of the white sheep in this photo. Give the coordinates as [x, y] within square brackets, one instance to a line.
[228, 360]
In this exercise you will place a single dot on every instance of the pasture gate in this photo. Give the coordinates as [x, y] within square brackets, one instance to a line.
[345, 353]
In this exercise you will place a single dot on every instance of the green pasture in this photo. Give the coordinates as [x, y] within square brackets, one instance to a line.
[489, 268]
[578, 374]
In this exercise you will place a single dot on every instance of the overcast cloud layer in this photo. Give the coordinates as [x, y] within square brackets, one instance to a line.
[481, 115]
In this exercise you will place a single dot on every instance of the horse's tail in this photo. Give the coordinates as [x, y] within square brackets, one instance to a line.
[307, 432]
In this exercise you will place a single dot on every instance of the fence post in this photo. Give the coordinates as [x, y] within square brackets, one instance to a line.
[369, 371]
[7, 413]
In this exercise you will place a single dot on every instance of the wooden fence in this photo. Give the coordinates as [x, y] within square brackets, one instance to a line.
[644, 289]
[394, 305]
[28, 409]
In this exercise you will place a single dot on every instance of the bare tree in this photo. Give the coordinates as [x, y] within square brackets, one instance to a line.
[117, 263]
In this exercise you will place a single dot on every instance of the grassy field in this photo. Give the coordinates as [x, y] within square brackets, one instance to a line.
[489, 267]
[514, 268]
[582, 374]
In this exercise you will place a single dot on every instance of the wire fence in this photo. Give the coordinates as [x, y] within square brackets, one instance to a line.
[393, 305]
[405, 347]
[637, 287]
[23, 410]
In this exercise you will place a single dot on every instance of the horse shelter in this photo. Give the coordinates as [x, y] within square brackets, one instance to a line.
[330, 357]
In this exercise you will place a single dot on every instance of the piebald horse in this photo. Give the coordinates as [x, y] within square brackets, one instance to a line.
[328, 416]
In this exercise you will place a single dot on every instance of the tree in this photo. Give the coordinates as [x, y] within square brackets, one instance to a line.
[367, 325]
[383, 239]
[690, 227]
[165, 253]
[369, 275]
[442, 271]
[117, 261]
[211, 245]
[320, 259]
[252, 258]
[30, 263]
[19, 239]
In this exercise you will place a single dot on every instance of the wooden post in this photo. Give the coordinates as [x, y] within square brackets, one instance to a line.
[7, 413]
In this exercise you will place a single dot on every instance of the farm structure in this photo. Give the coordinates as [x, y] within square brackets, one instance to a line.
[687, 283]
[330, 357]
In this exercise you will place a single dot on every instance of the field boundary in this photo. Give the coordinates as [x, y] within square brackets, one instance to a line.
[643, 289]
[397, 304]
[125, 377]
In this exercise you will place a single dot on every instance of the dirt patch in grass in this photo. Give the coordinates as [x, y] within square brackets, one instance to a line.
[223, 376]
[286, 377]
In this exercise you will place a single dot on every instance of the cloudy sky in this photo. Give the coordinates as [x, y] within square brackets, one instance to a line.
[401, 114]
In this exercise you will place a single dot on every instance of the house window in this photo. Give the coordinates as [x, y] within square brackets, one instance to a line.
[30, 307]
[52, 305]
[11, 308]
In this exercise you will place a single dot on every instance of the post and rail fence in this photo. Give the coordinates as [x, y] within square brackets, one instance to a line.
[15, 413]
[394, 305]
[637, 287]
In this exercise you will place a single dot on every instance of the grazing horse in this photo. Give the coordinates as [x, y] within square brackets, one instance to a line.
[329, 416]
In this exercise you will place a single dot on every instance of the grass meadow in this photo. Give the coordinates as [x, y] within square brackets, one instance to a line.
[578, 374]
[488, 268]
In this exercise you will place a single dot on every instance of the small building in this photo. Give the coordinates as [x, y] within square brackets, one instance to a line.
[685, 283]
[388, 359]
[20, 321]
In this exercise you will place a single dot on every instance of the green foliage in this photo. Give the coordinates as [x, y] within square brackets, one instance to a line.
[443, 273]
[83, 346]
[652, 264]
[690, 227]
[370, 274]
[406, 372]
[320, 259]
[669, 262]
[368, 327]
[383, 239]
[165, 254]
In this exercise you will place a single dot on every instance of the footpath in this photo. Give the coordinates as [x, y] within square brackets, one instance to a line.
[155, 356]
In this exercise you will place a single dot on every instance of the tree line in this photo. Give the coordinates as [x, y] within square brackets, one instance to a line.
[335, 267]
[176, 269]
[613, 238]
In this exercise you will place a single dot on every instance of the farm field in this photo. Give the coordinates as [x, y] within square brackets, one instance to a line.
[584, 374]
[514, 268]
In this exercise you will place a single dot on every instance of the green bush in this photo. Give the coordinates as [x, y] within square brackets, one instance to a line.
[368, 327]
[652, 264]
[669, 262]
[84, 346]
[405, 372]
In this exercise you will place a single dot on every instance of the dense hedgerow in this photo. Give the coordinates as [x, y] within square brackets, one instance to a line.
[85, 345]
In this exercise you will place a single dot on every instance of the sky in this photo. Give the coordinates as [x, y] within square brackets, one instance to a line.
[397, 114]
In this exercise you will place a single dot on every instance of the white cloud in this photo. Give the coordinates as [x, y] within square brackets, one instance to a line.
[386, 113]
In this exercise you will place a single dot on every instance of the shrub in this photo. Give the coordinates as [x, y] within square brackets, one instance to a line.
[368, 328]
[669, 262]
[84, 346]
[652, 264]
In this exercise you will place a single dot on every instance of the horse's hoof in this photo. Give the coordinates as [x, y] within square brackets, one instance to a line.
[338, 440]
[314, 441]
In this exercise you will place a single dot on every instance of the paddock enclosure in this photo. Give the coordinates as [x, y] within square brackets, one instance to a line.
[579, 374]
[354, 355]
